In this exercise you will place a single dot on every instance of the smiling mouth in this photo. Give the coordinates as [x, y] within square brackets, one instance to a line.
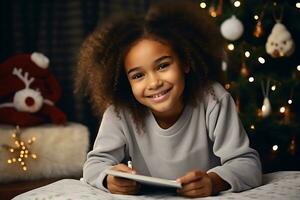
[159, 94]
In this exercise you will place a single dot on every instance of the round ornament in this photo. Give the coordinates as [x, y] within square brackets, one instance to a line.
[232, 28]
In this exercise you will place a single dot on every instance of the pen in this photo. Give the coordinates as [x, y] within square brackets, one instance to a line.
[129, 164]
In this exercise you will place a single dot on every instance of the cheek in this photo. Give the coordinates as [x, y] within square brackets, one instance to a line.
[178, 79]
[136, 89]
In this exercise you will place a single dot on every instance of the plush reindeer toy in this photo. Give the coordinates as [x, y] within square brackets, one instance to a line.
[28, 91]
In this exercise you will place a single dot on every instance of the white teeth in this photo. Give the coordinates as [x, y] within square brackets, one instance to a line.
[158, 95]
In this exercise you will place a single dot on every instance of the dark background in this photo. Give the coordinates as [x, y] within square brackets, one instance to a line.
[57, 29]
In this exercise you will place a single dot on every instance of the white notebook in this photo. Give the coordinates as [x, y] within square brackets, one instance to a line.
[145, 179]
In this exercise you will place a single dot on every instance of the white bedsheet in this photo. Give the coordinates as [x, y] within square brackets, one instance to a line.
[276, 186]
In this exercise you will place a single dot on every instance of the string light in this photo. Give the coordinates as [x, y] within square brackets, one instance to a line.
[237, 4]
[275, 147]
[282, 109]
[261, 60]
[252, 127]
[21, 150]
[247, 54]
[251, 79]
[297, 5]
[298, 68]
[273, 88]
[256, 17]
[227, 86]
[230, 46]
[202, 5]
[290, 101]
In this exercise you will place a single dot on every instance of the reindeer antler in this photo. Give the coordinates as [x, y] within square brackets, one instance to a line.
[25, 79]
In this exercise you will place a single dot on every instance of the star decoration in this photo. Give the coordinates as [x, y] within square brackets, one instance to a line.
[21, 150]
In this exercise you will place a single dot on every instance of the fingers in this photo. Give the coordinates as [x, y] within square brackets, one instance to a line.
[118, 185]
[123, 168]
[195, 184]
[123, 186]
[190, 176]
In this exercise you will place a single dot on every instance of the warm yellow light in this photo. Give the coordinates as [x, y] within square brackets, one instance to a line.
[251, 79]
[14, 135]
[275, 147]
[237, 4]
[256, 17]
[273, 88]
[247, 54]
[11, 150]
[24, 168]
[33, 138]
[202, 5]
[282, 109]
[19, 159]
[230, 46]
[290, 101]
[9, 161]
[22, 163]
[261, 60]
[263, 108]
[14, 160]
[213, 14]
[227, 86]
[252, 127]
[34, 156]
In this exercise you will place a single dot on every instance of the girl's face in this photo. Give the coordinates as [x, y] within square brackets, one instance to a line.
[156, 77]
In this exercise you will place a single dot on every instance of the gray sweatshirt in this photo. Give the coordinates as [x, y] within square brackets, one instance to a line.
[207, 137]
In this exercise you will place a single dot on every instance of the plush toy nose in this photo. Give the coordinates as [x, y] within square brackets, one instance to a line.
[29, 101]
[276, 53]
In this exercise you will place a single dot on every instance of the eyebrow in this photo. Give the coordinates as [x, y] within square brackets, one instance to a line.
[155, 63]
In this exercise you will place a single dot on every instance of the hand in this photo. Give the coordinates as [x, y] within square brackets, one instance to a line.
[118, 185]
[196, 184]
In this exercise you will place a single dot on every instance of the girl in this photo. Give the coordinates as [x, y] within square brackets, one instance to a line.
[150, 76]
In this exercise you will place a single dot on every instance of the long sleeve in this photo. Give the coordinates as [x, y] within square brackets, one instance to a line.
[240, 165]
[108, 150]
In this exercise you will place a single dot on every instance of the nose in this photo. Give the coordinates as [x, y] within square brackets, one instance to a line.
[155, 82]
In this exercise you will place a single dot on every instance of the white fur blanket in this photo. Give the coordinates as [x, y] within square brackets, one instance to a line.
[60, 150]
[276, 186]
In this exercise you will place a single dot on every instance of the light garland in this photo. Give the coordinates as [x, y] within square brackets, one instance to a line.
[21, 152]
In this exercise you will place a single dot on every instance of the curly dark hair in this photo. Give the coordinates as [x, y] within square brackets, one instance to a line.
[188, 30]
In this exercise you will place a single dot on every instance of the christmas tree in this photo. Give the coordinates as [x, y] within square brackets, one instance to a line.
[261, 69]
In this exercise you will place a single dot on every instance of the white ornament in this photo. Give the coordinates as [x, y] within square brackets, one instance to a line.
[232, 28]
[266, 107]
[280, 42]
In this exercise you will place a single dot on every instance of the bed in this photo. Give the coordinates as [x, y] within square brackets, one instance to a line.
[276, 186]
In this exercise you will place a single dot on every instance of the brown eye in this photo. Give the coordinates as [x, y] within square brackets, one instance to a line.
[137, 76]
[284, 42]
[163, 66]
